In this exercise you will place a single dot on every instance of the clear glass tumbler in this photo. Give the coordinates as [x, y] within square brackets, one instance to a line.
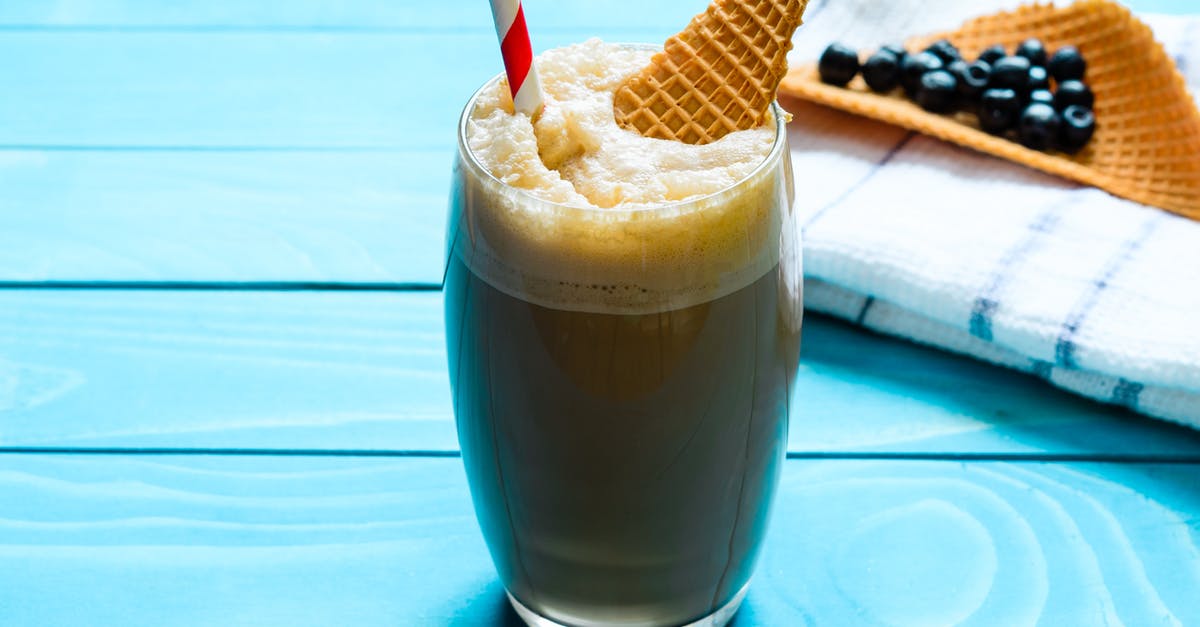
[622, 383]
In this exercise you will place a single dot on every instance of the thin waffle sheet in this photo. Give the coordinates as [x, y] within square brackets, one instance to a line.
[717, 75]
[916, 237]
[1147, 142]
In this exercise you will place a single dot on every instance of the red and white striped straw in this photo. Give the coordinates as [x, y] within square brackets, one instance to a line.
[518, 56]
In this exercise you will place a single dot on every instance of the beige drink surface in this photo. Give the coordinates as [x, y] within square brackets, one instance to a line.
[577, 155]
[575, 212]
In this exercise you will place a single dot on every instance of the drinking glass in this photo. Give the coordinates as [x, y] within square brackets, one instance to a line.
[622, 382]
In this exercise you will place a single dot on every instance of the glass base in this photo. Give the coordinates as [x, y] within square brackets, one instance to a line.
[719, 618]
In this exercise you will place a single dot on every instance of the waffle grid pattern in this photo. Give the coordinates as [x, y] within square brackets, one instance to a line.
[716, 76]
[1147, 142]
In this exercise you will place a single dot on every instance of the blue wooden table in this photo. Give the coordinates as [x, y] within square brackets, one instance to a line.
[223, 396]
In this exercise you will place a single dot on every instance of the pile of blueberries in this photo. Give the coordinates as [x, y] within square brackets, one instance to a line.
[1011, 94]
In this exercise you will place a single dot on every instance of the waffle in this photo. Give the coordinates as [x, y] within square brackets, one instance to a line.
[1147, 142]
[716, 76]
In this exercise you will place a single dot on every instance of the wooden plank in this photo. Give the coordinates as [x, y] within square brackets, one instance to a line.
[358, 15]
[330, 370]
[544, 14]
[223, 369]
[229, 216]
[983, 544]
[281, 215]
[863, 392]
[254, 540]
[291, 89]
[392, 90]
[299, 169]
[235, 156]
[245, 541]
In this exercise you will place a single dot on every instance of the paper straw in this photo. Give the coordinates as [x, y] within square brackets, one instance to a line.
[518, 56]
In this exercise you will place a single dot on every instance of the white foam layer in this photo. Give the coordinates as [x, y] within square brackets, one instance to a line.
[576, 154]
[576, 213]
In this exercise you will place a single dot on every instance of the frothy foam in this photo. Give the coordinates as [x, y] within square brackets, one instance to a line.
[584, 215]
[577, 155]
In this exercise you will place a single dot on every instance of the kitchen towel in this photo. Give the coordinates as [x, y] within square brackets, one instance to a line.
[910, 236]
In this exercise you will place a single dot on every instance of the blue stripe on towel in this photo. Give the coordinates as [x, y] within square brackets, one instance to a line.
[1126, 393]
[862, 313]
[891, 154]
[981, 317]
[987, 303]
[1064, 349]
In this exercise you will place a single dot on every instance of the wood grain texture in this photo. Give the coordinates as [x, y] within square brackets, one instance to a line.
[218, 369]
[229, 156]
[985, 544]
[353, 370]
[310, 141]
[213, 88]
[209, 141]
[416, 15]
[300, 541]
[360, 14]
[282, 89]
[221, 215]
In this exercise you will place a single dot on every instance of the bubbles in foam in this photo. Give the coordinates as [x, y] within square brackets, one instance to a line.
[620, 222]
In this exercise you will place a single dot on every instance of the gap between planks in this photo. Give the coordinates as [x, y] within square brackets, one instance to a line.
[227, 286]
[1107, 458]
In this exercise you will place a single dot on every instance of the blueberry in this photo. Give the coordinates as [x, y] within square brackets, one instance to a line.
[957, 67]
[1041, 95]
[944, 50]
[1073, 93]
[1078, 125]
[897, 50]
[937, 91]
[838, 64]
[998, 110]
[993, 54]
[882, 71]
[1038, 128]
[1038, 78]
[1011, 73]
[1067, 64]
[972, 78]
[914, 66]
[1034, 50]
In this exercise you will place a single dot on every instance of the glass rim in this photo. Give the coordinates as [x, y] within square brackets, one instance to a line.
[468, 156]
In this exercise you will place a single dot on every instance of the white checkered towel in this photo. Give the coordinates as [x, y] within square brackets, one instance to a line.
[917, 238]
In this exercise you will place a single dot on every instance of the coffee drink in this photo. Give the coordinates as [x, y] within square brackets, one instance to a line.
[622, 379]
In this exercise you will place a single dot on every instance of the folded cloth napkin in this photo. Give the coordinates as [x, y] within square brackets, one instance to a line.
[917, 238]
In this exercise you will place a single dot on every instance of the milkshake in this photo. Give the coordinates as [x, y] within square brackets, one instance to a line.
[622, 317]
